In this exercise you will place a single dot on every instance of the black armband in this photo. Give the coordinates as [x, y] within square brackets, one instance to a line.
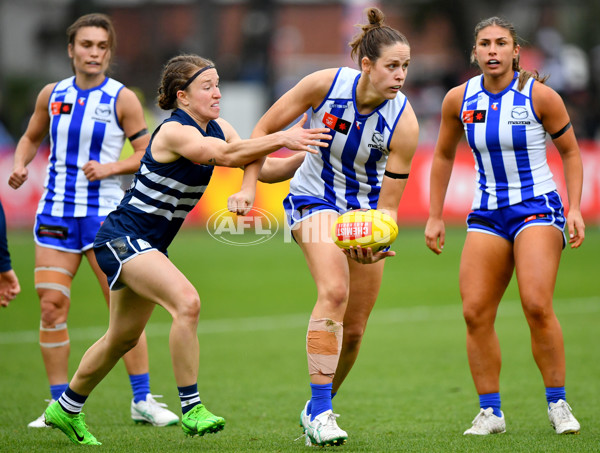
[561, 132]
[389, 174]
[138, 134]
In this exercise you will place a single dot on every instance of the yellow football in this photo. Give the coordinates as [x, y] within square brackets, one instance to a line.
[364, 227]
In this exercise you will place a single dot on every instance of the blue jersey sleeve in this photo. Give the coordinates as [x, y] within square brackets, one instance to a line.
[4, 255]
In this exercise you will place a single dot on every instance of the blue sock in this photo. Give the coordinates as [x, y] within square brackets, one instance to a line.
[491, 400]
[320, 400]
[189, 397]
[553, 394]
[71, 402]
[309, 406]
[57, 390]
[140, 384]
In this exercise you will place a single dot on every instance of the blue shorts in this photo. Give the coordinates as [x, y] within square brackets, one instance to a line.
[113, 254]
[508, 222]
[68, 234]
[301, 207]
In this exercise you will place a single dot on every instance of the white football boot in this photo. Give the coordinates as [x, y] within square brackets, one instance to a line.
[562, 419]
[150, 411]
[487, 423]
[304, 422]
[323, 430]
[40, 422]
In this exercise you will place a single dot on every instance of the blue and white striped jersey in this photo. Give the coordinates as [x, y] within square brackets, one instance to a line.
[508, 142]
[162, 194]
[349, 172]
[83, 127]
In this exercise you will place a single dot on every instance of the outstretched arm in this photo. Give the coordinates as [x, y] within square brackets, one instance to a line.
[278, 169]
[176, 140]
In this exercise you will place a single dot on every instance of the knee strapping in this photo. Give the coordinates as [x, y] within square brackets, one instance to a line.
[323, 346]
[54, 337]
[55, 278]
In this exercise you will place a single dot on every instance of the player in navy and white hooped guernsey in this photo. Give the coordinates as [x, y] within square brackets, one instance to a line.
[88, 117]
[375, 134]
[131, 245]
[517, 220]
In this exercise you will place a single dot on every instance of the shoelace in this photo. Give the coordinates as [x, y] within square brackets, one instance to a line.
[153, 400]
[302, 436]
[81, 418]
[331, 418]
[563, 412]
[482, 417]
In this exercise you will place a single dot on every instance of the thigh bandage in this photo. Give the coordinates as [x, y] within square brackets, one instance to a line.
[323, 346]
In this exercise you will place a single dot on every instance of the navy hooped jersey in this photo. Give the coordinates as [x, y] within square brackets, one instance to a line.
[349, 172]
[162, 194]
[508, 142]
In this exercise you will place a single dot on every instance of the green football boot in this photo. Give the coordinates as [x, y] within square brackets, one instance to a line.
[72, 425]
[199, 421]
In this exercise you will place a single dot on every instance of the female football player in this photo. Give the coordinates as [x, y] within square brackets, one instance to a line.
[517, 221]
[131, 246]
[88, 117]
[375, 135]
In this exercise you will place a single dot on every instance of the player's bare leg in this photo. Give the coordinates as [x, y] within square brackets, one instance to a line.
[365, 281]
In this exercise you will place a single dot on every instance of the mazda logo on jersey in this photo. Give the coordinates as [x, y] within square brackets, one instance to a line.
[474, 116]
[377, 140]
[61, 108]
[103, 110]
[335, 123]
[519, 113]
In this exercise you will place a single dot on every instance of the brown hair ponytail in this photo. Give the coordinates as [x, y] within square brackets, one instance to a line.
[373, 37]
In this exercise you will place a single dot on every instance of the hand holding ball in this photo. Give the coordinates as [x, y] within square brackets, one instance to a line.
[365, 228]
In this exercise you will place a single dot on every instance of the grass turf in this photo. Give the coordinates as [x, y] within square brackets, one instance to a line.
[409, 391]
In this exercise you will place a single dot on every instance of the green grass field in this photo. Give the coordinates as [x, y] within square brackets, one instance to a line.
[410, 390]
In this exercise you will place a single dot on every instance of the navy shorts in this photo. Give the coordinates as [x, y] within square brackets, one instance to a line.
[113, 254]
[68, 234]
[508, 222]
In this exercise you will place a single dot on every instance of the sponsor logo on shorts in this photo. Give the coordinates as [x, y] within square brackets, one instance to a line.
[143, 244]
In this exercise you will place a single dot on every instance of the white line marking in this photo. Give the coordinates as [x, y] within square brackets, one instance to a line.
[508, 309]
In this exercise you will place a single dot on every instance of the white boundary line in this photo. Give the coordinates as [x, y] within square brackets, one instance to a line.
[508, 309]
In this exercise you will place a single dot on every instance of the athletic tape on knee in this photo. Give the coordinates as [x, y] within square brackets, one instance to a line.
[323, 346]
[55, 278]
[54, 337]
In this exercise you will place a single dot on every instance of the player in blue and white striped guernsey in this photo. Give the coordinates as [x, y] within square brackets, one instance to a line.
[88, 117]
[131, 246]
[517, 221]
[375, 134]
